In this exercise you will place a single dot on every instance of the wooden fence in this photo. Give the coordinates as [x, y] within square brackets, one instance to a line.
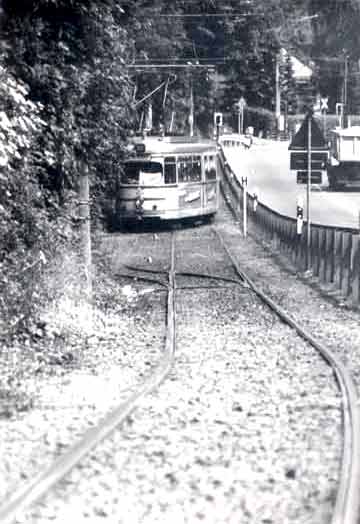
[334, 251]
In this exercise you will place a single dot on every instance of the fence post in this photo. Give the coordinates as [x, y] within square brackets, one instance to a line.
[288, 237]
[316, 268]
[313, 247]
[337, 258]
[345, 263]
[295, 240]
[322, 252]
[302, 260]
[330, 255]
[354, 268]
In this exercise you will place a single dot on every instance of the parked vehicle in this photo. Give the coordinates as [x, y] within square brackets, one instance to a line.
[343, 167]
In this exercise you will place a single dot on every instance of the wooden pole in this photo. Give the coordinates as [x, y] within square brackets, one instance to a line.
[85, 237]
[344, 122]
[277, 95]
[191, 115]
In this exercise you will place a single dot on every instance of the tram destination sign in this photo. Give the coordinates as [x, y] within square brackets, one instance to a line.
[302, 176]
[299, 160]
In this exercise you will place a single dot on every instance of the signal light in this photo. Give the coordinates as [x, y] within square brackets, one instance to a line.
[218, 119]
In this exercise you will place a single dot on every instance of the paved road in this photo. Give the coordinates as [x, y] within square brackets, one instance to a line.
[266, 165]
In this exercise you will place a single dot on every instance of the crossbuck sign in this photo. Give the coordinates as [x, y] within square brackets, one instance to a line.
[324, 104]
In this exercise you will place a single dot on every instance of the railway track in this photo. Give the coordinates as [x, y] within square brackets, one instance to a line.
[235, 350]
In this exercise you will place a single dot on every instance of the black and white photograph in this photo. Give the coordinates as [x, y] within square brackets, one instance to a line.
[179, 261]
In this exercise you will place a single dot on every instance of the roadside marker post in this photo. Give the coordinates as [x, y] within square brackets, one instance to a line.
[244, 184]
[85, 235]
[308, 189]
[256, 199]
[299, 215]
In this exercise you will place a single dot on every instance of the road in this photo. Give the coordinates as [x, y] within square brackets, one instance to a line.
[267, 167]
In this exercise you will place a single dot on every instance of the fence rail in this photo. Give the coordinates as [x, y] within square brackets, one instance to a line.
[334, 251]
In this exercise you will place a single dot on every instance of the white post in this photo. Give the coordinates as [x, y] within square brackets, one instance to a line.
[172, 121]
[308, 188]
[299, 215]
[85, 236]
[244, 184]
[256, 199]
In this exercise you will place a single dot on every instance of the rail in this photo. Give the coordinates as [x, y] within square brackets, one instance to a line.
[334, 251]
[40, 484]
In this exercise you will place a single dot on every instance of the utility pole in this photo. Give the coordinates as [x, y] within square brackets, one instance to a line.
[345, 90]
[191, 115]
[241, 104]
[277, 94]
[85, 238]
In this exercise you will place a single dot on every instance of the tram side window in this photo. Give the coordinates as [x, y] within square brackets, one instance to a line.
[170, 170]
[210, 167]
[189, 168]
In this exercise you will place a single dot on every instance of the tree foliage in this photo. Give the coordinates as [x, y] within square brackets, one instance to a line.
[77, 76]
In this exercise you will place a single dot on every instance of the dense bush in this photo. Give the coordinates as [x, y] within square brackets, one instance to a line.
[70, 107]
[25, 224]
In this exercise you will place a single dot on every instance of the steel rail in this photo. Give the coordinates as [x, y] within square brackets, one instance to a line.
[145, 269]
[142, 279]
[209, 276]
[347, 504]
[41, 484]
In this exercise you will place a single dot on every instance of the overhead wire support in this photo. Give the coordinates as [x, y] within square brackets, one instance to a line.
[166, 83]
[153, 60]
[207, 15]
[167, 66]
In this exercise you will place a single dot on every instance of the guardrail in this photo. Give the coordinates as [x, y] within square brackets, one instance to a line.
[334, 251]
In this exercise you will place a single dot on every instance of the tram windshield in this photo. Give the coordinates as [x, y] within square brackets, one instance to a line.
[142, 173]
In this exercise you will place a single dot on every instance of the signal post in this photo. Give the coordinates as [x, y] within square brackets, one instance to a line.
[308, 156]
[218, 121]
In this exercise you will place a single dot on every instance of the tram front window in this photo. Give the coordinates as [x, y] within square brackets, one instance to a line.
[142, 173]
[170, 170]
[189, 168]
[210, 167]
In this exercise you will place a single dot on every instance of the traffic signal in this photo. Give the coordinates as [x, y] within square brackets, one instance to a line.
[218, 119]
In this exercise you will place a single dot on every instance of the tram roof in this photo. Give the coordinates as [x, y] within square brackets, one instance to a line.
[175, 144]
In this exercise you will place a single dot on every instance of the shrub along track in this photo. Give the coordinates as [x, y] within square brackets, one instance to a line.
[40, 484]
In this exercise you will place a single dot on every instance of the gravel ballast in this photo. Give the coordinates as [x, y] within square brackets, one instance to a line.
[247, 428]
[235, 434]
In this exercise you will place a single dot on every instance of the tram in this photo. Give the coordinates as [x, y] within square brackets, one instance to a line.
[170, 177]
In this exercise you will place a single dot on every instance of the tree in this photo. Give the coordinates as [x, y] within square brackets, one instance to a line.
[288, 86]
[72, 55]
